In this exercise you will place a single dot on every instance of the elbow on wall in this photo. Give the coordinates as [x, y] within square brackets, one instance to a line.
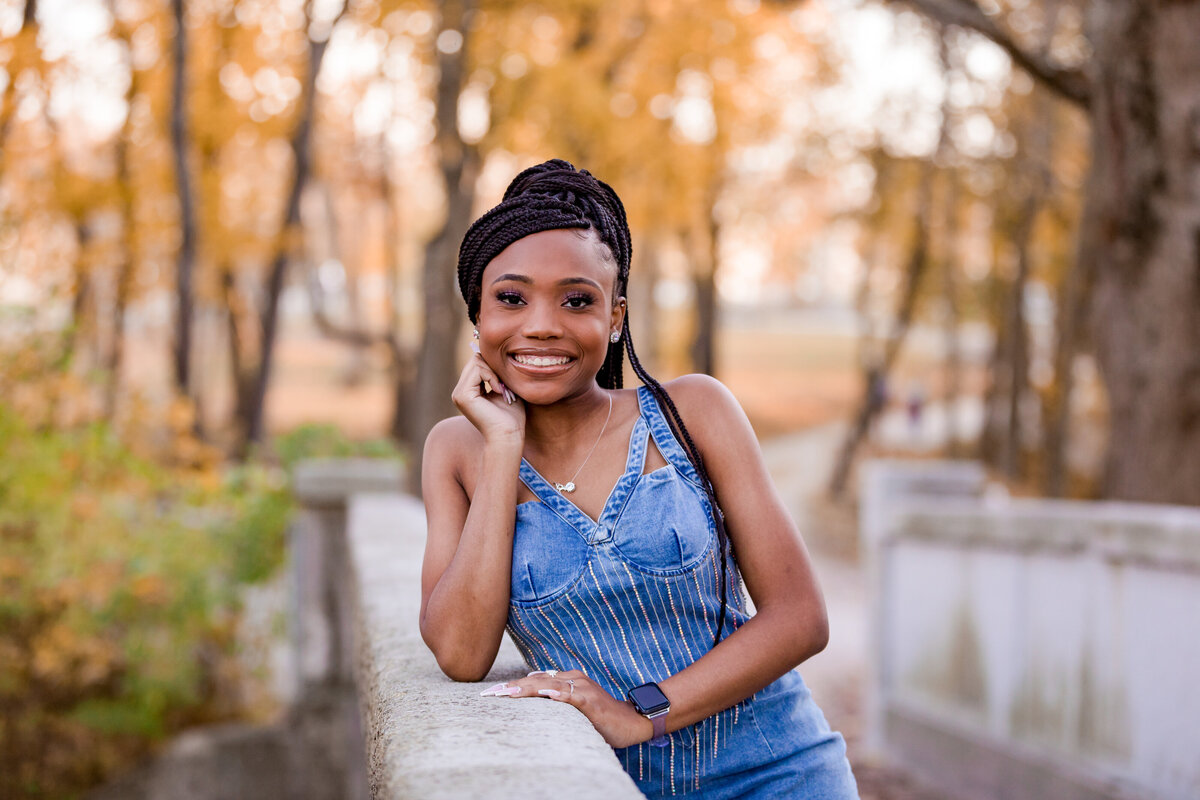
[462, 673]
[456, 663]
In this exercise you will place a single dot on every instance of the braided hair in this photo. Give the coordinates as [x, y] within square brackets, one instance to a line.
[554, 196]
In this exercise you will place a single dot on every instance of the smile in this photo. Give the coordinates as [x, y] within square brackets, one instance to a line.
[540, 361]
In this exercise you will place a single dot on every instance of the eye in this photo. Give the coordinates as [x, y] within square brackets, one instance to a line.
[509, 298]
[579, 300]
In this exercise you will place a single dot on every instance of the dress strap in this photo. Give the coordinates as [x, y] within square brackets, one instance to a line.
[664, 438]
[599, 530]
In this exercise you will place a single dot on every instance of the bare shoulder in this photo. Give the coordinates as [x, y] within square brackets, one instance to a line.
[703, 395]
[709, 409]
[447, 443]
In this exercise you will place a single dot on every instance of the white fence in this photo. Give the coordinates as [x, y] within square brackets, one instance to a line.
[1030, 648]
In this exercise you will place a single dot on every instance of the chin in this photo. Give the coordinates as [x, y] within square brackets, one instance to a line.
[544, 394]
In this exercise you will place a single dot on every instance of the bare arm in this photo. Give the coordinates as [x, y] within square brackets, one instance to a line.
[790, 624]
[468, 553]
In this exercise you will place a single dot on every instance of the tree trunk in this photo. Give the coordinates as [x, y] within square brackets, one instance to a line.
[953, 344]
[1073, 302]
[24, 52]
[643, 315]
[1017, 366]
[437, 369]
[284, 240]
[704, 356]
[125, 272]
[1146, 158]
[947, 249]
[185, 259]
[875, 374]
[1142, 89]
[704, 350]
[241, 377]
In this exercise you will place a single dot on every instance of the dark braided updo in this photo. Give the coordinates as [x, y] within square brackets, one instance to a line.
[555, 196]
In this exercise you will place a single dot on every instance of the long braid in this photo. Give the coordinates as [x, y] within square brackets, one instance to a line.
[683, 436]
[552, 196]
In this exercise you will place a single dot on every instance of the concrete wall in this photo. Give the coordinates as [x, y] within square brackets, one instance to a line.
[428, 737]
[1032, 648]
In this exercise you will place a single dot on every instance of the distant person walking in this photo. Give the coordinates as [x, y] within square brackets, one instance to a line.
[915, 405]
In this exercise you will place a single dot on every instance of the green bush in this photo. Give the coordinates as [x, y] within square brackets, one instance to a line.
[119, 587]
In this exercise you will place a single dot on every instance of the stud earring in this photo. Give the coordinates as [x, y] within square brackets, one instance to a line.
[476, 332]
[614, 337]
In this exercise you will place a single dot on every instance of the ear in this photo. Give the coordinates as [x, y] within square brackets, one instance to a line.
[617, 321]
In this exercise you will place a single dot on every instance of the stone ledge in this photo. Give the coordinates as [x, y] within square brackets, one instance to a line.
[329, 482]
[429, 737]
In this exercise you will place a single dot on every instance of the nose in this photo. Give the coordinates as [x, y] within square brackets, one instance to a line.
[541, 321]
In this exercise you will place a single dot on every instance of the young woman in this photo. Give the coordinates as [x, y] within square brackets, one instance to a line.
[609, 529]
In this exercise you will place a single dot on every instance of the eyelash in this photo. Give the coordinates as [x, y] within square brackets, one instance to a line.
[585, 298]
[510, 298]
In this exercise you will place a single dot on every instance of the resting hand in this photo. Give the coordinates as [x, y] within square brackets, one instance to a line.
[496, 412]
[619, 723]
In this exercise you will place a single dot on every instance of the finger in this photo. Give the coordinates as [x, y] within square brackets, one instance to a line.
[567, 691]
[535, 686]
[487, 377]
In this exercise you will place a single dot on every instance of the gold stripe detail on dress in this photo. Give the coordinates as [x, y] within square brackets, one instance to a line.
[649, 626]
[675, 614]
[716, 735]
[599, 655]
[539, 642]
[672, 741]
[574, 655]
[703, 605]
[620, 627]
[526, 653]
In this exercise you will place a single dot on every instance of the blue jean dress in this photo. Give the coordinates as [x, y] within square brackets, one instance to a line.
[635, 597]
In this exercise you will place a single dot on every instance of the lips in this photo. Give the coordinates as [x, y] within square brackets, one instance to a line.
[540, 361]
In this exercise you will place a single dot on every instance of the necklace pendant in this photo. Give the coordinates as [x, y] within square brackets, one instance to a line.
[568, 488]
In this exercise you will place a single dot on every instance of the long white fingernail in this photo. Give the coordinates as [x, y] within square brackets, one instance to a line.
[511, 691]
[491, 690]
[551, 693]
[475, 346]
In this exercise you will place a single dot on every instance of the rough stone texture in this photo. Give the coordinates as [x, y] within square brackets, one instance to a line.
[1034, 649]
[429, 737]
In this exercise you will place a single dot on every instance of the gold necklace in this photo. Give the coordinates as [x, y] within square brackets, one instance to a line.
[569, 486]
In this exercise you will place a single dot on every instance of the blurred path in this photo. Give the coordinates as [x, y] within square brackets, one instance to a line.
[800, 464]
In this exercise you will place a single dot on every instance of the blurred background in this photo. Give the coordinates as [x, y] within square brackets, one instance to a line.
[228, 231]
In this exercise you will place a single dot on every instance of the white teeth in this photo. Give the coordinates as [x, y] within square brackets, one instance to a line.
[541, 361]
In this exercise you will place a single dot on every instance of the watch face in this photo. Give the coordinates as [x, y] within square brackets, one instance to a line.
[648, 698]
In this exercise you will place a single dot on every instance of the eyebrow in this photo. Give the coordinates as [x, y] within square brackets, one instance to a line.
[512, 276]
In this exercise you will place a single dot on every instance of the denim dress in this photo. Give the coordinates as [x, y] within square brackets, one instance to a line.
[635, 597]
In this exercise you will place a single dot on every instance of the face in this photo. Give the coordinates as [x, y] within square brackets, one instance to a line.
[546, 312]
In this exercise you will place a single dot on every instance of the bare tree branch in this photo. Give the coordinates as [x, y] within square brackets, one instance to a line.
[1071, 84]
[355, 337]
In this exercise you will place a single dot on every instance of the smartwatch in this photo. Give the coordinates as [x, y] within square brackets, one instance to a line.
[652, 704]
